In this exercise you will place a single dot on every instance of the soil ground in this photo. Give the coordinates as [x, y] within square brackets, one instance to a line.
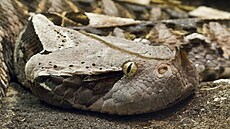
[209, 107]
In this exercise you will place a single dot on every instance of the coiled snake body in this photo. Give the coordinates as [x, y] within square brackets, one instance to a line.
[70, 68]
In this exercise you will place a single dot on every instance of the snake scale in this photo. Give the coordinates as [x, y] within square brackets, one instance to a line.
[75, 68]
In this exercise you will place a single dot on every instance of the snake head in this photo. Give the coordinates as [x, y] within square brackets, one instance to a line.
[115, 76]
[142, 86]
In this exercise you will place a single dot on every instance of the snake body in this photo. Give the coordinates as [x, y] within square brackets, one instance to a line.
[14, 15]
[164, 74]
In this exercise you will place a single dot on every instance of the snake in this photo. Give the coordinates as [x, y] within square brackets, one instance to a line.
[90, 68]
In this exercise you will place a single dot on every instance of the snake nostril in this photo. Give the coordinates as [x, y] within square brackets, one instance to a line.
[162, 69]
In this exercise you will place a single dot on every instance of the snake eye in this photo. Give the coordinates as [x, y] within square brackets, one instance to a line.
[163, 70]
[129, 68]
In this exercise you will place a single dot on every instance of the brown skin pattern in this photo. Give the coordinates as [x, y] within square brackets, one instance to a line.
[114, 99]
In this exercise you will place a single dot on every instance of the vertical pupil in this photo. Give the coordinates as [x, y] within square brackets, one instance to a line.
[129, 67]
